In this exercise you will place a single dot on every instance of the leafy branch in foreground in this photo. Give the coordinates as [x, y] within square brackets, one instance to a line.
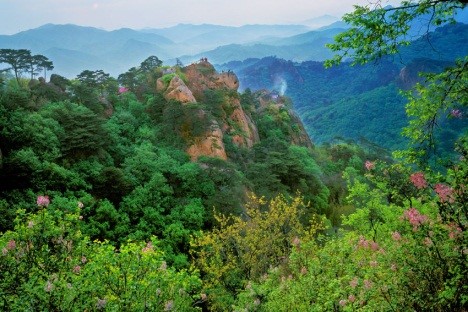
[377, 30]
[444, 94]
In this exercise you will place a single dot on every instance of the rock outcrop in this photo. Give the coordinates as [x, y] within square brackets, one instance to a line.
[231, 118]
[211, 144]
[202, 76]
[245, 133]
[177, 90]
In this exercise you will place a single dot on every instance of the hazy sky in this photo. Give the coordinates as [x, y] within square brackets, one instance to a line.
[18, 15]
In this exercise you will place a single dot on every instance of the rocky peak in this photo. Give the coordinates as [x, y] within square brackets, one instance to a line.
[202, 76]
[217, 92]
[176, 90]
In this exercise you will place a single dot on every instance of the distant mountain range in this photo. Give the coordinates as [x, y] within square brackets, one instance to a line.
[361, 101]
[75, 48]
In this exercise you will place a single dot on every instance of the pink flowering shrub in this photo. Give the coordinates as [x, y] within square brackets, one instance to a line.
[52, 266]
[456, 113]
[369, 165]
[43, 201]
[123, 90]
[444, 192]
[414, 217]
[418, 180]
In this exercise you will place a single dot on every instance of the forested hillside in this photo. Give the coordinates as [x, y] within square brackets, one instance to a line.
[362, 101]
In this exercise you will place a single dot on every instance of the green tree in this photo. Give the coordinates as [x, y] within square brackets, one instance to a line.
[150, 63]
[17, 59]
[38, 63]
[378, 30]
[130, 79]
[47, 264]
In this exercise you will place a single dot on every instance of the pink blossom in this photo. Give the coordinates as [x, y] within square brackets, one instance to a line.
[374, 246]
[367, 284]
[43, 201]
[456, 113]
[351, 298]
[343, 302]
[48, 286]
[369, 165]
[363, 243]
[4, 251]
[296, 242]
[418, 180]
[123, 90]
[454, 231]
[303, 270]
[354, 282]
[444, 192]
[428, 242]
[149, 247]
[11, 244]
[169, 305]
[101, 304]
[77, 269]
[415, 217]
[373, 263]
[84, 260]
[396, 236]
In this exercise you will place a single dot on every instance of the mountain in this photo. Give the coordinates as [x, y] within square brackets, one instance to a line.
[306, 46]
[74, 48]
[360, 101]
[216, 35]
[320, 21]
[125, 48]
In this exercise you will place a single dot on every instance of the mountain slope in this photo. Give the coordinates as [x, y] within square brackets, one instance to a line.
[359, 101]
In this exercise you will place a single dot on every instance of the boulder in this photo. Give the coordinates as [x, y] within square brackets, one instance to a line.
[211, 144]
[177, 90]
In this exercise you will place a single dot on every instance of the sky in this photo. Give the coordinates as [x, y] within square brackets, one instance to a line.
[19, 15]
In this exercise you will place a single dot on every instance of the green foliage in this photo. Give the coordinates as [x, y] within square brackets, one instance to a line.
[443, 96]
[280, 168]
[83, 134]
[377, 30]
[129, 212]
[245, 248]
[47, 264]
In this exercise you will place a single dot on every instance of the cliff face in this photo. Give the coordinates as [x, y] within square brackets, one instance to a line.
[409, 75]
[176, 90]
[210, 144]
[215, 96]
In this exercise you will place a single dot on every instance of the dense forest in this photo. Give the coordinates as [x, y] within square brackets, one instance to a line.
[165, 189]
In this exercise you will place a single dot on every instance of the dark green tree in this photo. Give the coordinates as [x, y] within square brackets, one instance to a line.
[130, 79]
[151, 62]
[37, 64]
[60, 81]
[17, 59]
